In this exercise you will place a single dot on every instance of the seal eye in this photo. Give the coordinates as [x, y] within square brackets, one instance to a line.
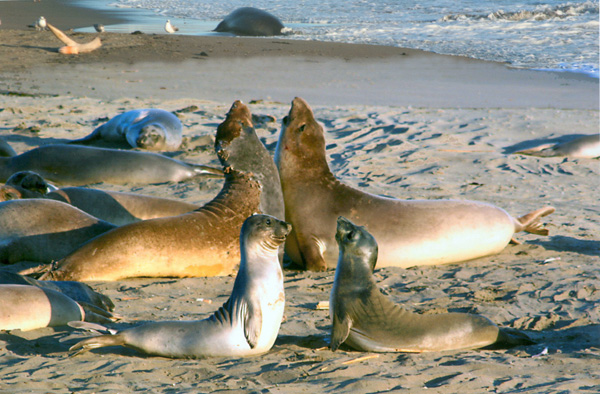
[285, 120]
[301, 128]
[350, 235]
[268, 221]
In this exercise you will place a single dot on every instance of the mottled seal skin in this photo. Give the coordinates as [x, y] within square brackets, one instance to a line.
[151, 129]
[82, 165]
[44, 230]
[586, 147]
[246, 325]
[249, 21]
[78, 292]
[409, 232]
[364, 319]
[27, 307]
[203, 242]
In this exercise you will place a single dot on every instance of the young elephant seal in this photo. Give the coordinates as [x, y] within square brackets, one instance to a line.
[151, 129]
[409, 232]
[250, 21]
[585, 147]
[364, 319]
[247, 324]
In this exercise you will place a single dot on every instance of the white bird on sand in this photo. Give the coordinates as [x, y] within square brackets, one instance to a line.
[40, 24]
[169, 28]
[99, 27]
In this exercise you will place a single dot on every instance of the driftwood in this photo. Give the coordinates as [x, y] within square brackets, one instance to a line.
[72, 47]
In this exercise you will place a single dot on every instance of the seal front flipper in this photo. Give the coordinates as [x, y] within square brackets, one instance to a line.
[252, 318]
[311, 251]
[340, 328]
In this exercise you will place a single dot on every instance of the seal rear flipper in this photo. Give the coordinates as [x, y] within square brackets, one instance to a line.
[207, 171]
[508, 337]
[97, 342]
[531, 222]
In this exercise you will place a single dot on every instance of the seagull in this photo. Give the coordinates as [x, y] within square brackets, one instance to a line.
[99, 27]
[40, 24]
[169, 28]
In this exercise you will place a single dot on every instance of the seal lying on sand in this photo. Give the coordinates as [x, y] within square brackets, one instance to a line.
[78, 292]
[586, 147]
[247, 324]
[44, 230]
[118, 208]
[6, 150]
[365, 319]
[150, 129]
[80, 165]
[409, 232]
[29, 307]
[249, 21]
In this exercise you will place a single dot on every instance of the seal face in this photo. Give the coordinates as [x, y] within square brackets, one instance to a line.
[247, 324]
[249, 21]
[409, 232]
[364, 319]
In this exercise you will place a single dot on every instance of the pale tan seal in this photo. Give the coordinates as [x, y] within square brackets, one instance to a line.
[585, 147]
[246, 325]
[44, 230]
[409, 232]
[27, 307]
[364, 319]
[82, 165]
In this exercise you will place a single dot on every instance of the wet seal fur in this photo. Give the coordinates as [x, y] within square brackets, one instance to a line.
[409, 232]
[82, 165]
[250, 21]
[151, 129]
[247, 324]
[364, 319]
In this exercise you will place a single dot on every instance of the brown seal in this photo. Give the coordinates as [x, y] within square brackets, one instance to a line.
[409, 232]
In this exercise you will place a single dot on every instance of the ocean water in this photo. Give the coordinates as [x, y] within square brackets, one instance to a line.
[535, 34]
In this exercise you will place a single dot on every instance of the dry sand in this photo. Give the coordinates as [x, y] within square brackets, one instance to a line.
[412, 125]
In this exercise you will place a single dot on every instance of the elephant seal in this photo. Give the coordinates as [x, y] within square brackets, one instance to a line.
[44, 230]
[364, 319]
[203, 242]
[78, 292]
[81, 165]
[586, 147]
[6, 150]
[250, 21]
[151, 129]
[30, 184]
[246, 325]
[409, 232]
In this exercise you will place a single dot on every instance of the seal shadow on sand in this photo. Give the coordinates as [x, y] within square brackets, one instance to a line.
[529, 144]
[561, 243]
[32, 141]
[47, 49]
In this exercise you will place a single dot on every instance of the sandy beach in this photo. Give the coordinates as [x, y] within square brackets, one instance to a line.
[398, 122]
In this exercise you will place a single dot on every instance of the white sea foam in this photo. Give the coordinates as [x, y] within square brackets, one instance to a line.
[525, 33]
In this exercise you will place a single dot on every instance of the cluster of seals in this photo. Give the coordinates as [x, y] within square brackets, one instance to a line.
[246, 325]
[150, 129]
[364, 319]
[409, 232]
[83, 165]
[250, 21]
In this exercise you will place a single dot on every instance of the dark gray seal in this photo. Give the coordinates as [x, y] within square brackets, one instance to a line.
[81, 165]
[249, 21]
[246, 325]
[364, 319]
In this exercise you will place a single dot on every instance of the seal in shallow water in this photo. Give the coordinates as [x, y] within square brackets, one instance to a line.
[409, 232]
[250, 21]
[247, 324]
[151, 129]
[364, 319]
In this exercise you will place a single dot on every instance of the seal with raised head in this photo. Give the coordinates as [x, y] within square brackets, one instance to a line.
[250, 21]
[44, 230]
[151, 129]
[365, 319]
[247, 324]
[82, 165]
[585, 147]
[409, 232]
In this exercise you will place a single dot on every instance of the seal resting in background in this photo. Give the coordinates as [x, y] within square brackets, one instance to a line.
[44, 230]
[250, 21]
[118, 208]
[151, 129]
[409, 232]
[246, 325]
[6, 150]
[81, 165]
[27, 307]
[586, 147]
[364, 319]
